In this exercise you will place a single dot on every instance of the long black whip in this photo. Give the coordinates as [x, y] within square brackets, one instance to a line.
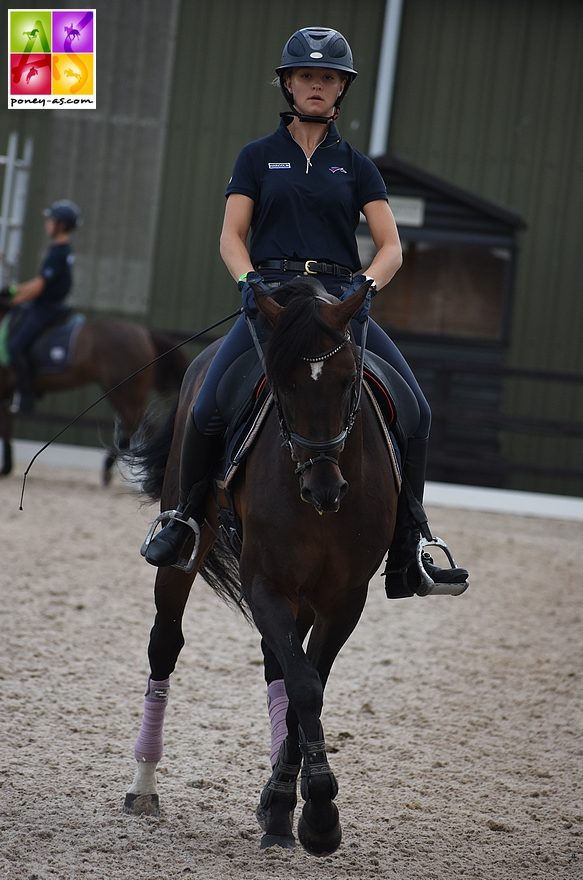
[115, 387]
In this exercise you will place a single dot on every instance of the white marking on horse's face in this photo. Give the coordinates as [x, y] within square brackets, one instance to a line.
[316, 370]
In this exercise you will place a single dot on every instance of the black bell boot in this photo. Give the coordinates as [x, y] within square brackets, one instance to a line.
[197, 460]
[410, 569]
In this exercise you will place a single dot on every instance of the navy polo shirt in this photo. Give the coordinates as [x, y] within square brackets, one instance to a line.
[305, 210]
[56, 270]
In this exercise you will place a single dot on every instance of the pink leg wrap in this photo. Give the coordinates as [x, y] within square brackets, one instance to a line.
[150, 741]
[277, 703]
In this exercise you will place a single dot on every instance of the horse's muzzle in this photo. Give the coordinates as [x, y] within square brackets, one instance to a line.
[324, 495]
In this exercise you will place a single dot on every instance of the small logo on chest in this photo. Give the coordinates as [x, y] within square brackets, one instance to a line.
[278, 166]
[335, 168]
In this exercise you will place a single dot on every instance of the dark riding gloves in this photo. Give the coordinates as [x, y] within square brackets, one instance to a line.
[357, 282]
[248, 294]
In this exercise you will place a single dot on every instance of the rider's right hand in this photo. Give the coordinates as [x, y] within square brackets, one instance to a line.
[248, 294]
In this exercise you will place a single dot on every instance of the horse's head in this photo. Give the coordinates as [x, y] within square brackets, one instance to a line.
[313, 370]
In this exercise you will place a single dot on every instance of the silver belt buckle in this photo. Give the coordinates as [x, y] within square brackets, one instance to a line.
[307, 269]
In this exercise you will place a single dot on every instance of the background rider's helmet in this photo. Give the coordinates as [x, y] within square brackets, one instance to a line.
[65, 212]
[316, 47]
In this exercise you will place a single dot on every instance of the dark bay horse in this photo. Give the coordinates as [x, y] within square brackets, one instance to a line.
[105, 352]
[317, 514]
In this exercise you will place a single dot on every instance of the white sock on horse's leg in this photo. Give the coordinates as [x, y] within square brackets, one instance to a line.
[277, 703]
[150, 741]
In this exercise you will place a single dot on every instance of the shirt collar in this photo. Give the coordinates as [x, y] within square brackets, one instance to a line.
[333, 136]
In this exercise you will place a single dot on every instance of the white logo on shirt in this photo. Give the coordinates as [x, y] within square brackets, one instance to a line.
[275, 166]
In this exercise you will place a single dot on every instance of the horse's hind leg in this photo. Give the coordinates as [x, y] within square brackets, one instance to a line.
[166, 641]
[6, 437]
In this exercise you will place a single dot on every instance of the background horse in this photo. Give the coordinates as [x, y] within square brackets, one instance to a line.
[105, 352]
[302, 566]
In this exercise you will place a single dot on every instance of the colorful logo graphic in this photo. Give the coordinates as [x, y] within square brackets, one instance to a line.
[51, 59]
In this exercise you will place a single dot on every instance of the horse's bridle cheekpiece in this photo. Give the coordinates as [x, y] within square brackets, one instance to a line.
[323, 448]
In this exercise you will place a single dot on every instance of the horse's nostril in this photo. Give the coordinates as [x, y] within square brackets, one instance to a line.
[306, 494]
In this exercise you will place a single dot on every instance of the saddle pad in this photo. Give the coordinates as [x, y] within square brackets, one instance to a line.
[53, 350]
[384, 380]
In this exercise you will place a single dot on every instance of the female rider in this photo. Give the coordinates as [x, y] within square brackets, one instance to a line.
[300, 192]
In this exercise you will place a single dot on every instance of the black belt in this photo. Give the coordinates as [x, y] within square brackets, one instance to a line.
[308, 267]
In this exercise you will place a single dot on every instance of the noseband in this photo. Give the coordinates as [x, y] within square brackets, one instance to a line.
[322, 448]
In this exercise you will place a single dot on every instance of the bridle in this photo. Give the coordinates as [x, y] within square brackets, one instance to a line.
[322, 448]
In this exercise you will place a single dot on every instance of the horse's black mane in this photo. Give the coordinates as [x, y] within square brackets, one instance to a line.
[298, 332]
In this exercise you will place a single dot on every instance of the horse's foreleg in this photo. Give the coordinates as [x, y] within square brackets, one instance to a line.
[166, 642]
[281, 716]
[275, 620]
[316, 829]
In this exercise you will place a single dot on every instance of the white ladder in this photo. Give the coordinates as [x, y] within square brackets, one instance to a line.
[13, 205]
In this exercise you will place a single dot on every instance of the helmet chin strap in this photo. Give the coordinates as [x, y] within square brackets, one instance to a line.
[321, 120]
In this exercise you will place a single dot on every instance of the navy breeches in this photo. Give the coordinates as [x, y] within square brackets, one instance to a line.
[238, 340]
[32, 323]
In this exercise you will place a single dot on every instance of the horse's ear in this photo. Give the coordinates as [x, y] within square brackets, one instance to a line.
[342, 312]
[266, 304]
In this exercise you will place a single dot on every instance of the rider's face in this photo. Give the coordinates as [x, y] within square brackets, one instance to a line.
[315, 90]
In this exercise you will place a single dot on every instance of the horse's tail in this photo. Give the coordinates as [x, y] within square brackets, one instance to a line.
[171, 368]
[149, 451]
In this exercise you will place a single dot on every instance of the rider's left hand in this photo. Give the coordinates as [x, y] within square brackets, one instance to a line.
[357, 282]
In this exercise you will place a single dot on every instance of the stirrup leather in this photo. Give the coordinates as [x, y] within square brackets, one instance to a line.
[431, 587]
[184, 563]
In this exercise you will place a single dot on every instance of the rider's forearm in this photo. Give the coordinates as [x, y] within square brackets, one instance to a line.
[235, 255]
[28, 290]
[386, 264]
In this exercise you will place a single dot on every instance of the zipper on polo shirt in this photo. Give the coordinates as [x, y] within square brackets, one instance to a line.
[308, 158]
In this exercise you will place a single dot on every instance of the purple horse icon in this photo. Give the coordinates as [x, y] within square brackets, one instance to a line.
[72, 33]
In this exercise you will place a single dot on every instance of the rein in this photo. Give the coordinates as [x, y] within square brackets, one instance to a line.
[323, 448]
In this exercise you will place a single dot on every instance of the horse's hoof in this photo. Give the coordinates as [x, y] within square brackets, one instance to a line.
[142, 804]
[269, 840]
[261, 814]
[319, 843]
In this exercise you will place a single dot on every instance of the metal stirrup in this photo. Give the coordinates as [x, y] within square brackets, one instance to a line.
[433, 588]
[183, 563]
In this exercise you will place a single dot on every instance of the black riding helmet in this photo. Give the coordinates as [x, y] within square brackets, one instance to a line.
[315, 47]
[65, 212]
